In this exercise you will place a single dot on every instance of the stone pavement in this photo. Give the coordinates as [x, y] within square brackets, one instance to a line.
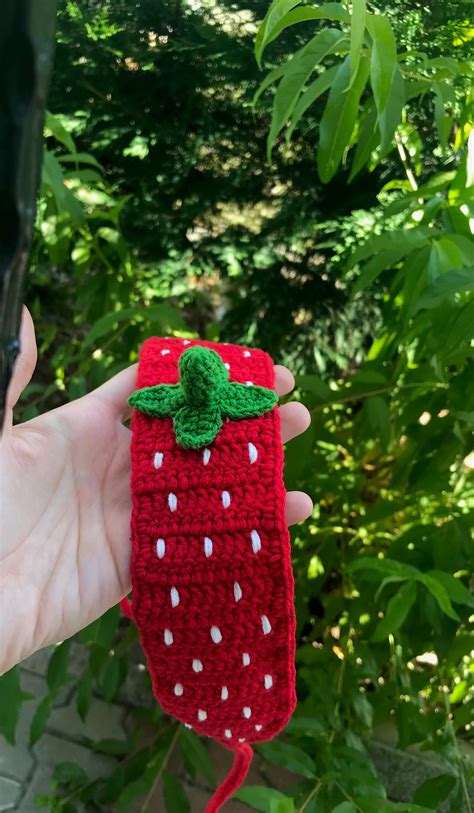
[26, 772]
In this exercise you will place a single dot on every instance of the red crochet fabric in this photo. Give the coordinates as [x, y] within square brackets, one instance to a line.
[211, 572]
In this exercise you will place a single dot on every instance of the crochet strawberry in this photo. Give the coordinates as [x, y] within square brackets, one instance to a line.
[211, 573]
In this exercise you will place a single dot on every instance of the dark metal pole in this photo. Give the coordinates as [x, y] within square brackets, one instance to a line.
[26, 49]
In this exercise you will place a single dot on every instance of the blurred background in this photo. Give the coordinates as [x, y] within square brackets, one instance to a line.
[328, 221]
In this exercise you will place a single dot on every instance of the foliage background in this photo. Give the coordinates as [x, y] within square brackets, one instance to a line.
[349, 257]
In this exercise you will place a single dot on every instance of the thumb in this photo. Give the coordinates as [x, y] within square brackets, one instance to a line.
[24, 364]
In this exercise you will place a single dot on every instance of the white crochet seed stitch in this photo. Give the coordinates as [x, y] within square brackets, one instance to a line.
[247, 712]
[168, 637]
[241, 739]
[249, 383]
[207, 546]
[253, 453]
[174, 595]
[237, 591]
[227, 365]
[160, 548]
[268, 681]
[245, 658]
[266, 626]
[186, 341]
[258, 727]
[158, 460]
[247, 354]
[225, 499]
[224, 693]
[202, 715]
[165, 352]
[188, 725]
[172, 502]
[197, 665]
[178, 689]
[256, 541]
[206, 456]
[216, 635]
[228, 733]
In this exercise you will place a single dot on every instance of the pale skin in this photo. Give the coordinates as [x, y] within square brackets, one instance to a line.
[65, 507]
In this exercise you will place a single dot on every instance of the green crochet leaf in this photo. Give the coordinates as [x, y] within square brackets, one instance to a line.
[202, 373]
[202, 399]
[239, 401]
[195, 428]
[161, 401]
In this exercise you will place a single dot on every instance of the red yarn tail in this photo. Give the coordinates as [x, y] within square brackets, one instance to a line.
[126, 608]
[242, 760]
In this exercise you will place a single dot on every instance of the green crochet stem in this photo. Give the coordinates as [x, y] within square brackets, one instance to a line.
[202, 399]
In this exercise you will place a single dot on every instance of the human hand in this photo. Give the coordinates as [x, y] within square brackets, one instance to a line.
[65, 507]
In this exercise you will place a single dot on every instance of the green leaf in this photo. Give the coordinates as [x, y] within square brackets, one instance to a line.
[270, 78]
[84, 696]
[275, 13]
[282, 14]
[454, 587]
[12, 700]
[444, 97]
[383, 59]
[290, 756]
[314, 385]
[363, 708]
[391, 117]
[439, 592]
[40, 718]
[357, 34]
[195, 427]
[388, 241]
[345, 807]
[241, 401]
[327, 11]
[386, 567]
[367, 140]
[111, 677]
[434, 791]
[57, 667]
[54, 127]
[339, 117]
[404, 243]
[69, 772]
[444, 287]
[80, 158]
[107, 627]
[459, 692]
[309, 96]
[282, 806]
[297, 72]
[173, 794]
[161, 401]
[379, 420]
[196, 753]
[259, 797]
[397, 610]
[161, 314]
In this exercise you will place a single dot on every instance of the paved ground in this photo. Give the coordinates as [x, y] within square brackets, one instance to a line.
[26, 772]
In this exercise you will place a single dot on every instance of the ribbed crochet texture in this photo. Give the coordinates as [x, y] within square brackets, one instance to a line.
[211, 572]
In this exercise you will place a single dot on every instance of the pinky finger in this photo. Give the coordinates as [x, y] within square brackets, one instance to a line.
[299, 506]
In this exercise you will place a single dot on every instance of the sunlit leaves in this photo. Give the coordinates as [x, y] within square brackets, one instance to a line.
[339, 117]
[282, 13]
[297, 72]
